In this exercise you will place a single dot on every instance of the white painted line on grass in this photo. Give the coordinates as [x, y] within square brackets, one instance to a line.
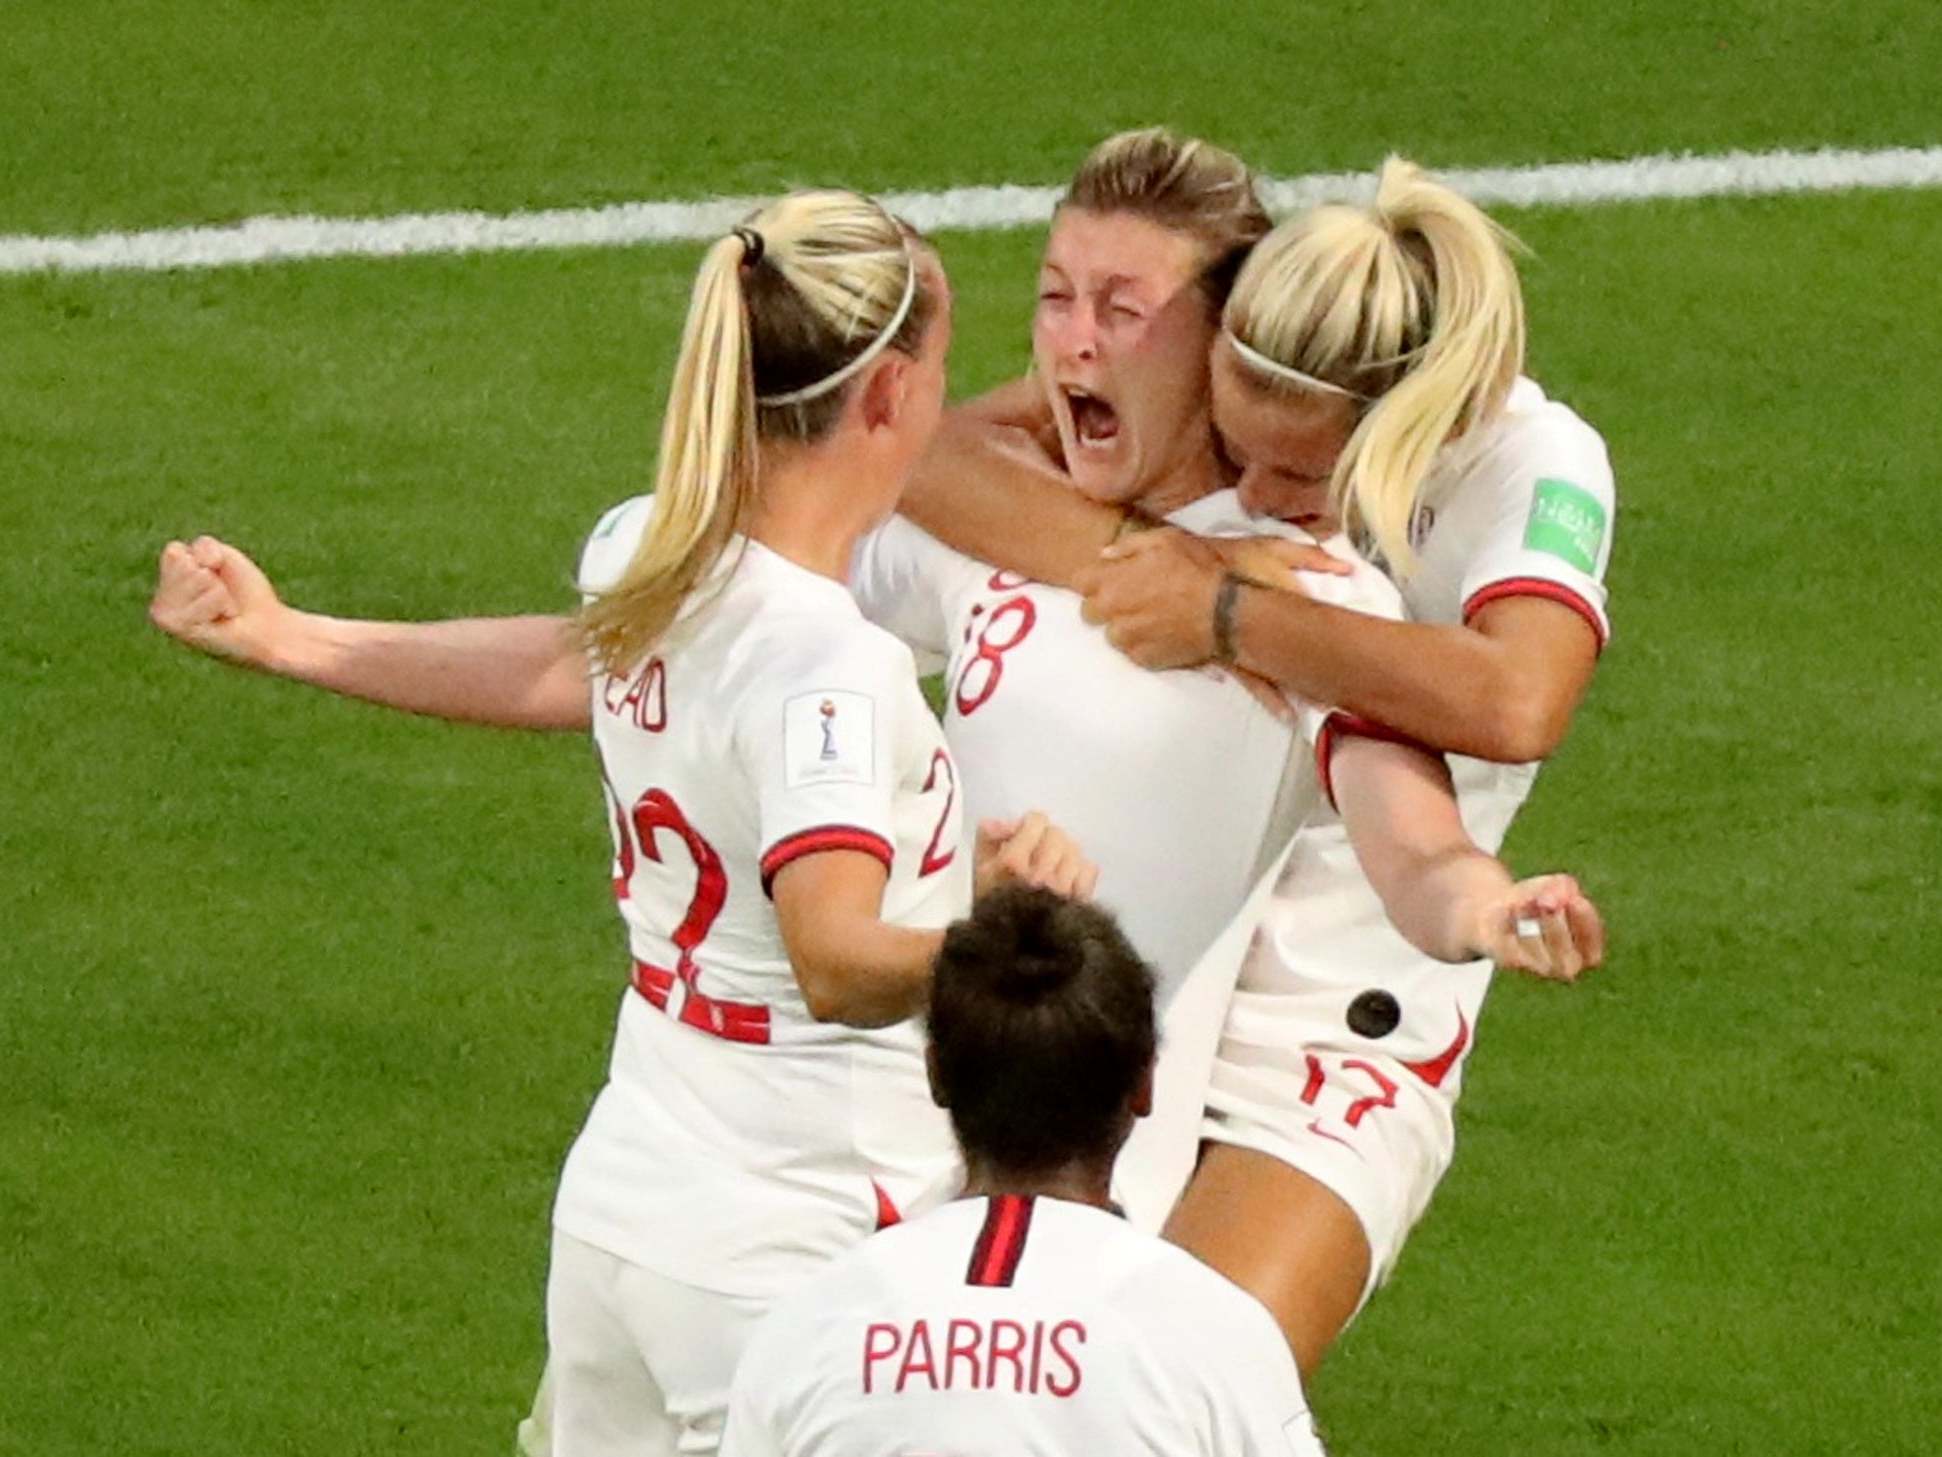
[1558, 184]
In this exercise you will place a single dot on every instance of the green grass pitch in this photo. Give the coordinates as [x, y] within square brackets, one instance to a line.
[301, 1002]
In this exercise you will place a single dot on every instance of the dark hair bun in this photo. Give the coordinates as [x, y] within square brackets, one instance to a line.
[1032, 954]
[1042, 1027]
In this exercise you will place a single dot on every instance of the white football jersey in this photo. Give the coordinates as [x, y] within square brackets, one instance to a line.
[1018, 1327]
[738, 1142]
[1177, 785]
[1523, 508]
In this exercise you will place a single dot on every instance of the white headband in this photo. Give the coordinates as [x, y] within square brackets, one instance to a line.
[1260, 362]
[870, 351]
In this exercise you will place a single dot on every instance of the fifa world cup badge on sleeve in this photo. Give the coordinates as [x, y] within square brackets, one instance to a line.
[1566, 522]
[829, 738]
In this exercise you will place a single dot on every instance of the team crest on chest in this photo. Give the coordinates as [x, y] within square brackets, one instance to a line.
[829, 738]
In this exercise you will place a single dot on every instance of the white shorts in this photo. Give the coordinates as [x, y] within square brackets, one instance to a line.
[1369, 1127]
[639, 1365]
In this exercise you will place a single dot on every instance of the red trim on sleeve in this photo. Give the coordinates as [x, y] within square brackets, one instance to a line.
[1536, 587]
[1339, 725]
[1438, 1068]
[887, 1214]
[821, 837]
[1001, 1243]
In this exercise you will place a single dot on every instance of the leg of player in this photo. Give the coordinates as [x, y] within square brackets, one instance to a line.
[1283, 1237]
[535, 1435]
[599, 1398]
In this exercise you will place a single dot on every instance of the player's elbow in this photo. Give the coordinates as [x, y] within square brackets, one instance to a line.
[833, 992]
[823, 994]
[1520, 727]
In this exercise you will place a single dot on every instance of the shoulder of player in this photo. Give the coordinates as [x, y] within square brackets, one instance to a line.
[1169, 1293]
[1545, 437]
[1219, 513]
[867, 1276]
[1366, 589]
[610, 545]
[802, 641]
[901, 540]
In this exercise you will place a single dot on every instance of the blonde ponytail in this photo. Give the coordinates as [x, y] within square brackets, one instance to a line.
[1412, 308]
[705, 475]
[785, 313]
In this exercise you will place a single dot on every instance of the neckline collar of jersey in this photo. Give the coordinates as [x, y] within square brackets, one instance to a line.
[1114, 1209]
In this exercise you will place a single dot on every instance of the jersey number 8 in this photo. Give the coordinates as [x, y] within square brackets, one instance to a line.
[1019, 616]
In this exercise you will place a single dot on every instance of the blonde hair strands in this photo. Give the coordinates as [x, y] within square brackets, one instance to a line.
[1411, 303]
[837, 277]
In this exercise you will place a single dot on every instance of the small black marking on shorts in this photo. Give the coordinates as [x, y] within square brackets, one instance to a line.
[1374, 1013]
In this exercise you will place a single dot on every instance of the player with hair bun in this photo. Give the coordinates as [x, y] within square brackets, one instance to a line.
[786, 824]
[1027, 1317]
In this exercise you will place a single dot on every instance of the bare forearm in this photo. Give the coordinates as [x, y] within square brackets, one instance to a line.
[514, 672]
[1400, 810]
[1438, 905]
[861, 972]
[1449, 687]
[980, 489]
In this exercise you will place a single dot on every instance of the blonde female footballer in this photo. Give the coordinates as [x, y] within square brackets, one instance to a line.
[787, 827]
[1369, 365]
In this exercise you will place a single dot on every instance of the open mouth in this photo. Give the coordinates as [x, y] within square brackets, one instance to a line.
[1094, 422]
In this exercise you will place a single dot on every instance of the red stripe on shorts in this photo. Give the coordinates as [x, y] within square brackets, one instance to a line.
[1438, 1068]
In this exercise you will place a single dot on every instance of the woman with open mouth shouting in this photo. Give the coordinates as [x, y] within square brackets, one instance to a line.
[1368, 362]
[1177, 781]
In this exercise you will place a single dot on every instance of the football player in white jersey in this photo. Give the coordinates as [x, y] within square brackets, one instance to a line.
[1040, 709]
[1028, 1318]
[1369, 361]
[785, 813]
[1154, 449]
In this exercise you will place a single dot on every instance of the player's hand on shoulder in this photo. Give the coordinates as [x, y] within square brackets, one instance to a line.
[1546, 926]
[1154, 595]
[214, 598]
[1032, 851]
[1276, 562]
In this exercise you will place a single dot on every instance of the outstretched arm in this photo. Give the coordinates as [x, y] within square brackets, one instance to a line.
[1448, 898]
[513, 672]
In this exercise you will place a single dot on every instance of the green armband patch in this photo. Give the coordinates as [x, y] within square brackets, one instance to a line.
[1566, 521]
